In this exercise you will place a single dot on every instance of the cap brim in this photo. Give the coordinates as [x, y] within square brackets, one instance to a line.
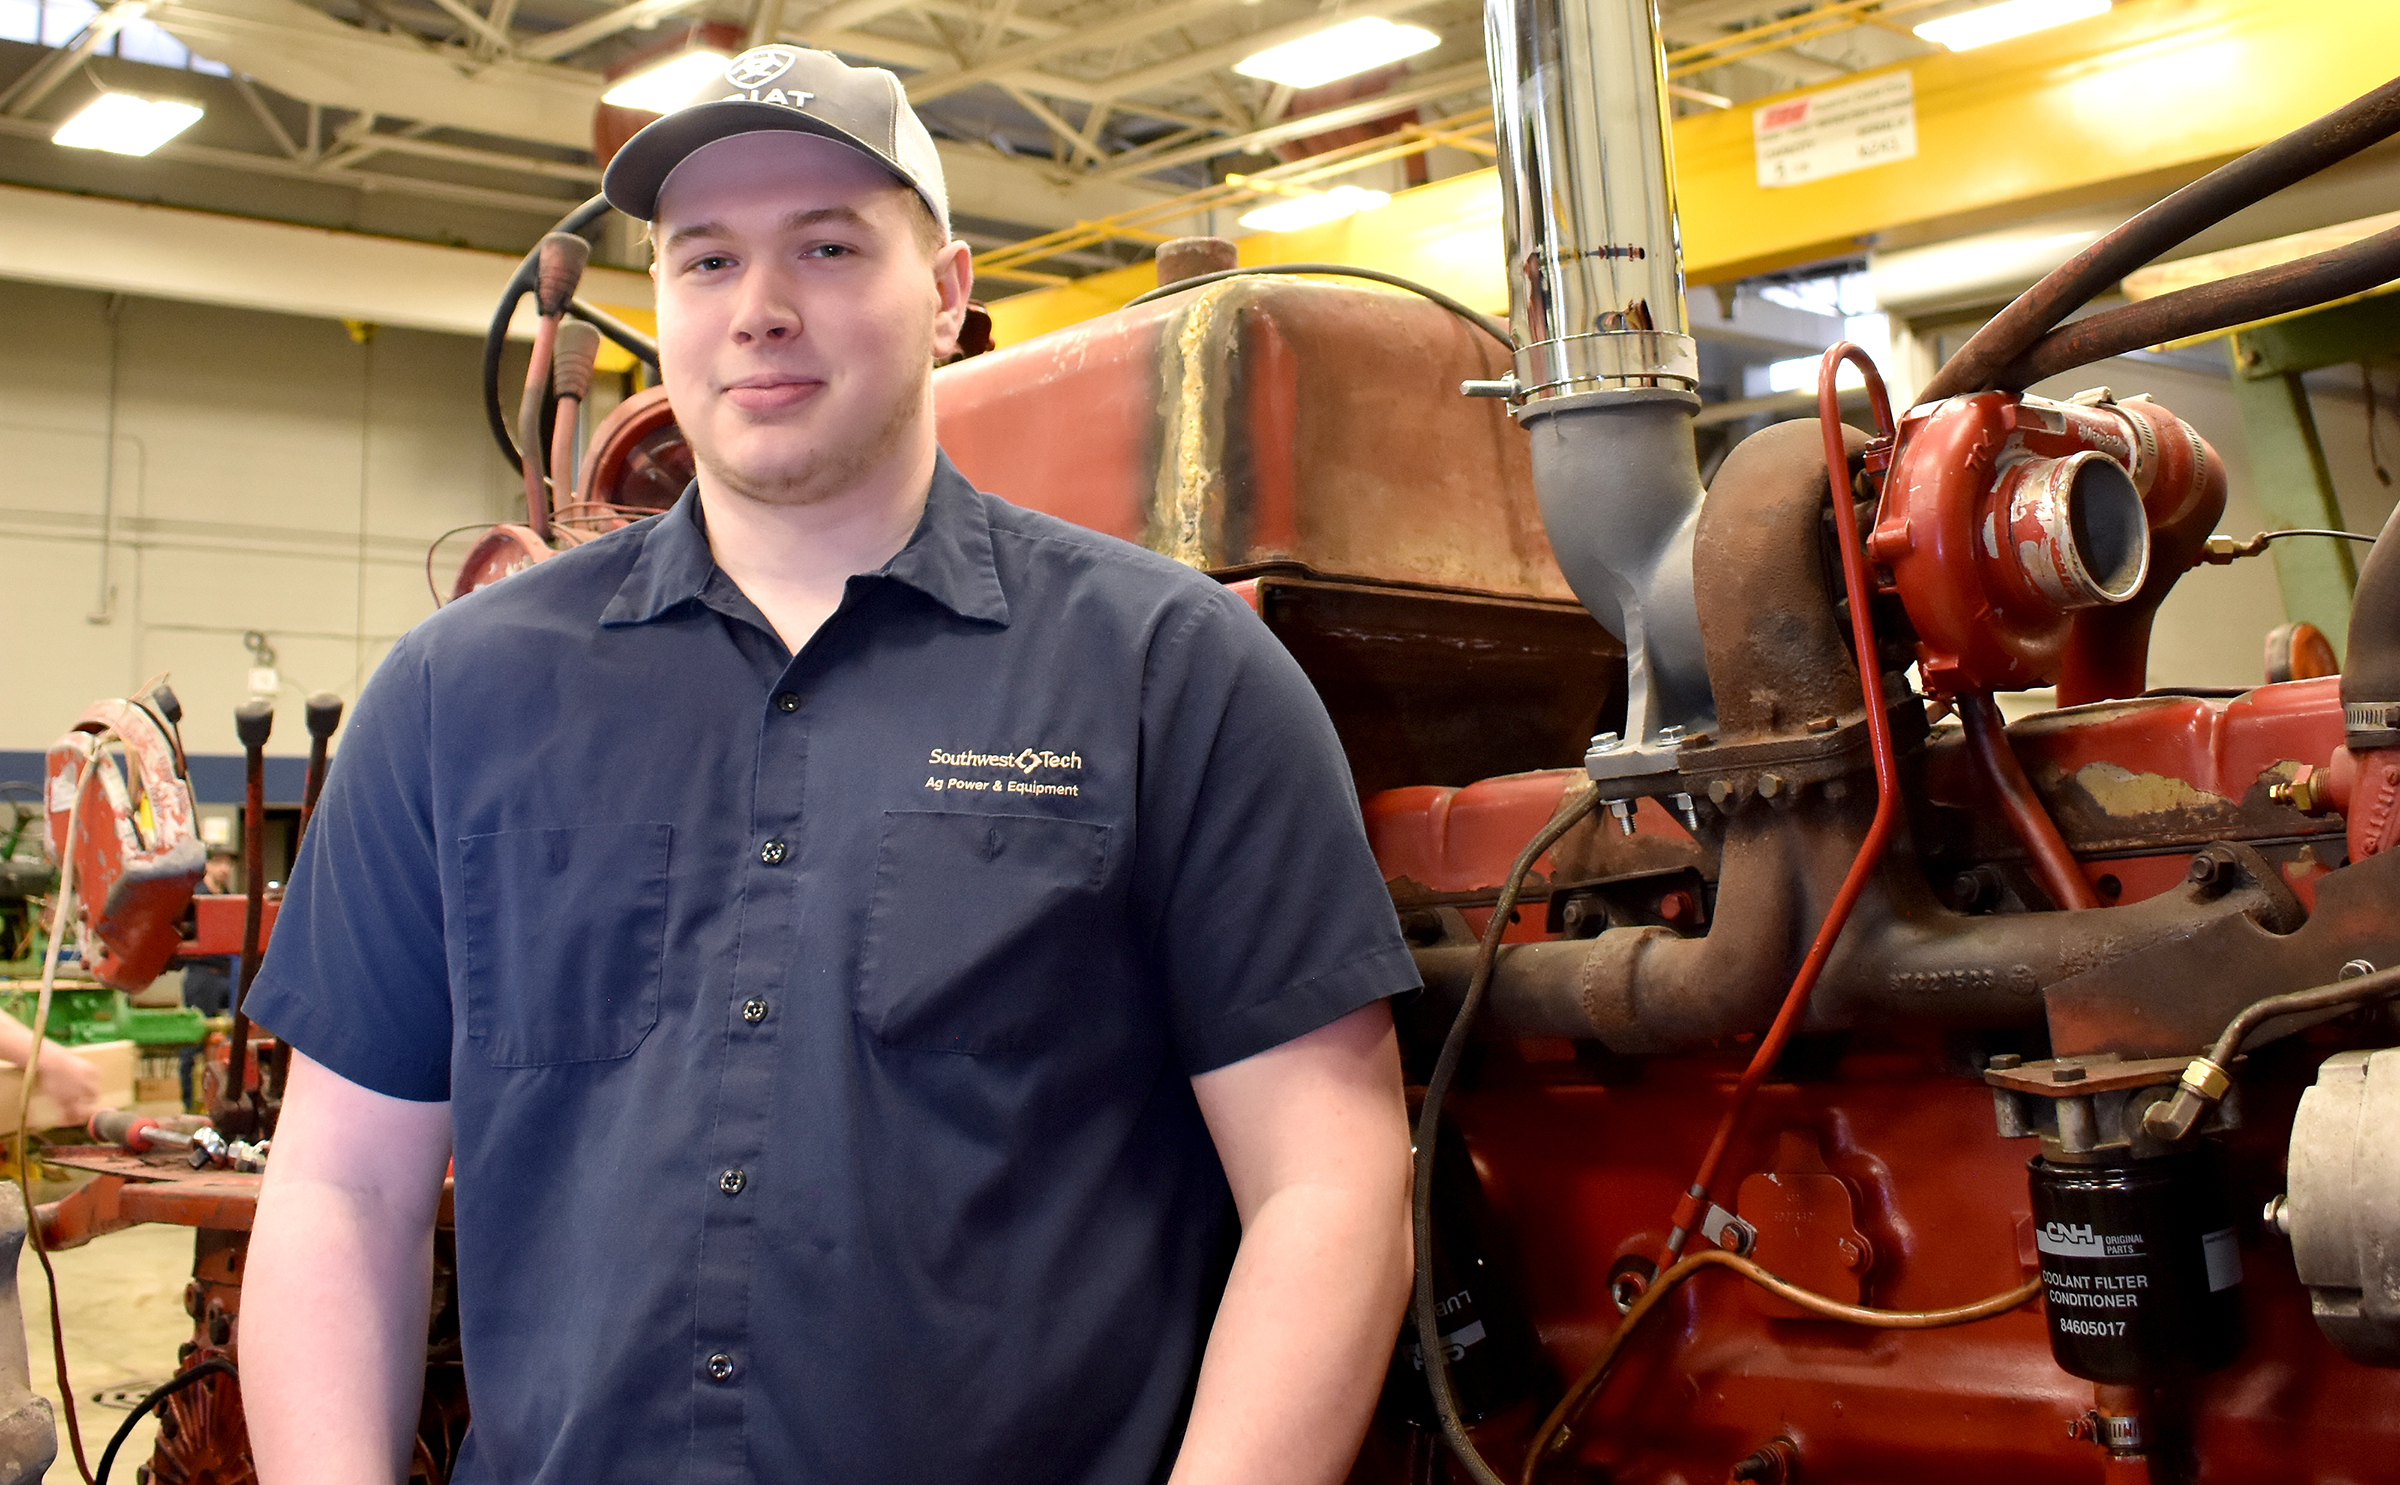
[634, 177]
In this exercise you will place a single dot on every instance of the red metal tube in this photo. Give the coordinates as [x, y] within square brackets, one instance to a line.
[1887, 782]
[529, 426]
[562, 455]
[2053, 864]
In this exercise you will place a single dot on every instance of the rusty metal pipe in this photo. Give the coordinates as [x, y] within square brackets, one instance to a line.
[2027, 818]
[2205, 202]
[1907, 959]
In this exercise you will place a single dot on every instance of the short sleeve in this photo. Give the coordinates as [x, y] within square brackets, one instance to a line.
[1266, 911]
[354, 975]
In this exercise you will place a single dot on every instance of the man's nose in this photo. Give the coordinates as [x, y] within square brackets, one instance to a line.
[768, 309]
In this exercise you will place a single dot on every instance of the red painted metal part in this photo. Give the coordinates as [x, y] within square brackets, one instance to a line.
[1881, 1178]
[137, 850]
[503, 551]
[127, 1190]
[1967, 534]
[1230, 425]
[217, 924]
[2169, 769]
[1583, 1176]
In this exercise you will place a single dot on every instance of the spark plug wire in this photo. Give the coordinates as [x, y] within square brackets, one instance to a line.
[1695, 1201]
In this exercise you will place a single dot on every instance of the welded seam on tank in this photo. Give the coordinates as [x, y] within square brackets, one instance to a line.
[1190, 495]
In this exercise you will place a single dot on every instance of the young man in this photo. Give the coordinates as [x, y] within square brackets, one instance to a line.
[856, 935]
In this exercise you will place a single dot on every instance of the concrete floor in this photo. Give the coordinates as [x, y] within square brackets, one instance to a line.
[122, 1299]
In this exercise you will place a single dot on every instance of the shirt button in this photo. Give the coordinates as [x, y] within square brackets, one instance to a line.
[772, 853]
[754, 1010]
[732, 1182]
[787, 701]
[720, 1367]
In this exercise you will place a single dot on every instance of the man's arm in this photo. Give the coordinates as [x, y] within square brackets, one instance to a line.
[1314, 1138]
[72, 1083]
[341, 1264]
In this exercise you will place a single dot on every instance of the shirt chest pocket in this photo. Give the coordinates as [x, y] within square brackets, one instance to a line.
[982, 929]
[565, 935]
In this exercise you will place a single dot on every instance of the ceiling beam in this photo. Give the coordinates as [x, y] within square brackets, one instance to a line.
[459, 154]
[548, 208]
[1465, 78]
[477, 27]
[928, 86]
[43, 79]
[306, 54]
[89, 242]
[555, 44]
[1210, 58]
[1067, 133]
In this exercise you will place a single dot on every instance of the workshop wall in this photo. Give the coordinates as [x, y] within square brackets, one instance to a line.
[271, 473]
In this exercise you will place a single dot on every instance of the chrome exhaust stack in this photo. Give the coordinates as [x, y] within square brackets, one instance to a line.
[1605, 369]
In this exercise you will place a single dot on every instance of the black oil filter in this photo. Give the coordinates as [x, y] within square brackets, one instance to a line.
[1495, 1360]
[2141, 1267]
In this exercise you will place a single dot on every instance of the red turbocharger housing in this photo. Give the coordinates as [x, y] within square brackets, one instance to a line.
[2031, 541]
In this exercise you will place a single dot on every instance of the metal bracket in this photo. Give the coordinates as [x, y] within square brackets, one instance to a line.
[1728, 1231]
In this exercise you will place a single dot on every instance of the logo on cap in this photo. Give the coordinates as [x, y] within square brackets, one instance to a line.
[760, 65]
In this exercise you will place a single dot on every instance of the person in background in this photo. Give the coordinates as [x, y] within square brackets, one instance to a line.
[208, 982]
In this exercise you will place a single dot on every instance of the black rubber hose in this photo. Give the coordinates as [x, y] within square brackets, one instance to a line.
[633, 341]
[520, 284]
[1475, 317]
[1429, 1123]
[2202, 204]
[2371, 671]
[2303, 284]
[215, 1365]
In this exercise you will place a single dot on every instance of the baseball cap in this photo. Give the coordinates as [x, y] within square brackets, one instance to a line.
[786, 87]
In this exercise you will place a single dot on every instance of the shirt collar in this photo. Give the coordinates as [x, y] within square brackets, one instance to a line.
[948, 557]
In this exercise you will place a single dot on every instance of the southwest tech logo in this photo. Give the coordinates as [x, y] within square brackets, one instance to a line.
[1024, 761]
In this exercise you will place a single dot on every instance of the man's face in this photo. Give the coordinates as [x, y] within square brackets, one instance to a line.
[799, 314]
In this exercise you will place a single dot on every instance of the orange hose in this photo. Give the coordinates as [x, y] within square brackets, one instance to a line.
[1695, 1202]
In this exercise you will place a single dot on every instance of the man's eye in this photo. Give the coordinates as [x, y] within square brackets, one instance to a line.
[709, 262]
[828, 250]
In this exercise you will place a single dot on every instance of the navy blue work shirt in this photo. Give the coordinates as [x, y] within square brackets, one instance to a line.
[818, 1028]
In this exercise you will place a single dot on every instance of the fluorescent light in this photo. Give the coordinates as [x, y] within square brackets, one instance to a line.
[125, 125]
[1973, 28]
[669, 85]
[1339, 51]
[1295, 212]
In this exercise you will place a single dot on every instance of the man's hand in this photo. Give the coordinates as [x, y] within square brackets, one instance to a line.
[72, 1083]
[339, 1273]
[1314, 1138]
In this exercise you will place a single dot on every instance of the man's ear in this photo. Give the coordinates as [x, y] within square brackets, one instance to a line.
[953, 283]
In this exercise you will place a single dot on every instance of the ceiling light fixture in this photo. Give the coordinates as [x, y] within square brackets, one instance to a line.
[2010, 18]
[1292, 214]
[125, 125]
[1337, 52]
[669, 85]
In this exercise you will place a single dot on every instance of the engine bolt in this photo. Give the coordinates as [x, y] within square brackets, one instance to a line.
[1770, 785]
[2209, 870]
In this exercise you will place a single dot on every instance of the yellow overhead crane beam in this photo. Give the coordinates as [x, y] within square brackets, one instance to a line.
[2155, 89]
